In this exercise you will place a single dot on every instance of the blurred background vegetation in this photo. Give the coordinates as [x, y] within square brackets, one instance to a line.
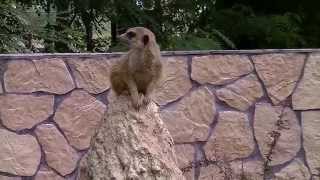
[92, 25]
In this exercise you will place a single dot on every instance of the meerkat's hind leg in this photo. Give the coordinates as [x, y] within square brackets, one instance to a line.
[119, 86]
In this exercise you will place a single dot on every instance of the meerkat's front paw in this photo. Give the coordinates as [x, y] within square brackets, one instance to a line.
[138, 102]
[146, 100]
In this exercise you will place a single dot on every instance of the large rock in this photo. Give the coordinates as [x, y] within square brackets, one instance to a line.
[185, 155]
[49, 75]
[58, 153]
[131, 144]
[279, 73]
[78, 116]
[296, 170]
[241, 94]
[307, 94]
[175, 81]
[220, 69]
[19, 154]
[92, 74]
[311, 141]
[47, 174]
[269, 119]
[19, 112]
[189, 119]
[232, 137]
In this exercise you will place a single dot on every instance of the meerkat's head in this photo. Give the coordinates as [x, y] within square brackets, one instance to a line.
[137, 37]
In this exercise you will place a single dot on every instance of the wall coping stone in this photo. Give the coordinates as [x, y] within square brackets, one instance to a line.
[164, 53]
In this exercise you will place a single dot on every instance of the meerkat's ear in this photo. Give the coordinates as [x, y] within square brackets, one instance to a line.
[145, 39]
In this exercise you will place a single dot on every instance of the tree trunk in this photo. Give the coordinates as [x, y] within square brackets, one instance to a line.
[113, 33]
[62, 23]
[87, 19]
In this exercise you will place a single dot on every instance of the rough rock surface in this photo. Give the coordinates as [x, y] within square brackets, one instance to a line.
[279, 73]
[183, 129]
[270, 119]
[9, 178]
[58, 153]
[132, 145]
[185, 154]
[19, 112]
[78, 116]
[190, 118]
[220, 69]
[49, 75]
[47, 174]
[296, 170]
[92, 74]
[175, 81]
[241, 94]
[232, 137]
[19, 154]
[311, 140]
[307, 94]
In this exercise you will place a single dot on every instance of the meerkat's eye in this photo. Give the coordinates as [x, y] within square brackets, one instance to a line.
[131, 35]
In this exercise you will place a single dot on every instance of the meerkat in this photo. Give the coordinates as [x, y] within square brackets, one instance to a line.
[138, 71]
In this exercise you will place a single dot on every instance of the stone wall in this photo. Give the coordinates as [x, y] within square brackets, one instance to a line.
[231, 113]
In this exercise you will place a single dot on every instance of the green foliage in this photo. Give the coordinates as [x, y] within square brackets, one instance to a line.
[193, 42]
[92, 25]
[12, 28]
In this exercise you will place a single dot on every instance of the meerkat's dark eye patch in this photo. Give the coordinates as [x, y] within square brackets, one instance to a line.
[131, 34]
[145, 39]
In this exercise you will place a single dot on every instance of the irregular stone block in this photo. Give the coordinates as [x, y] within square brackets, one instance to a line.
[237, 170]
[211, 172]
[49, 75]
[311, 141]
[185, 154]
[296, 170]
[198, 106]
[47, 174]
[247, 170]
[58, 153]
[19, 112]
[9, 178]
[279, 73]
[189, 119]
[307, 94]
[1, 90]
[220, 69]
[175, 81]
[92, 74]
[19, 154]
[241, 94]
[78, 116]
[183, 129]
[232, 137]
[269, 119]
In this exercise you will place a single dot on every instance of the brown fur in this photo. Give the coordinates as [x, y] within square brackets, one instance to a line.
[138, 71]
